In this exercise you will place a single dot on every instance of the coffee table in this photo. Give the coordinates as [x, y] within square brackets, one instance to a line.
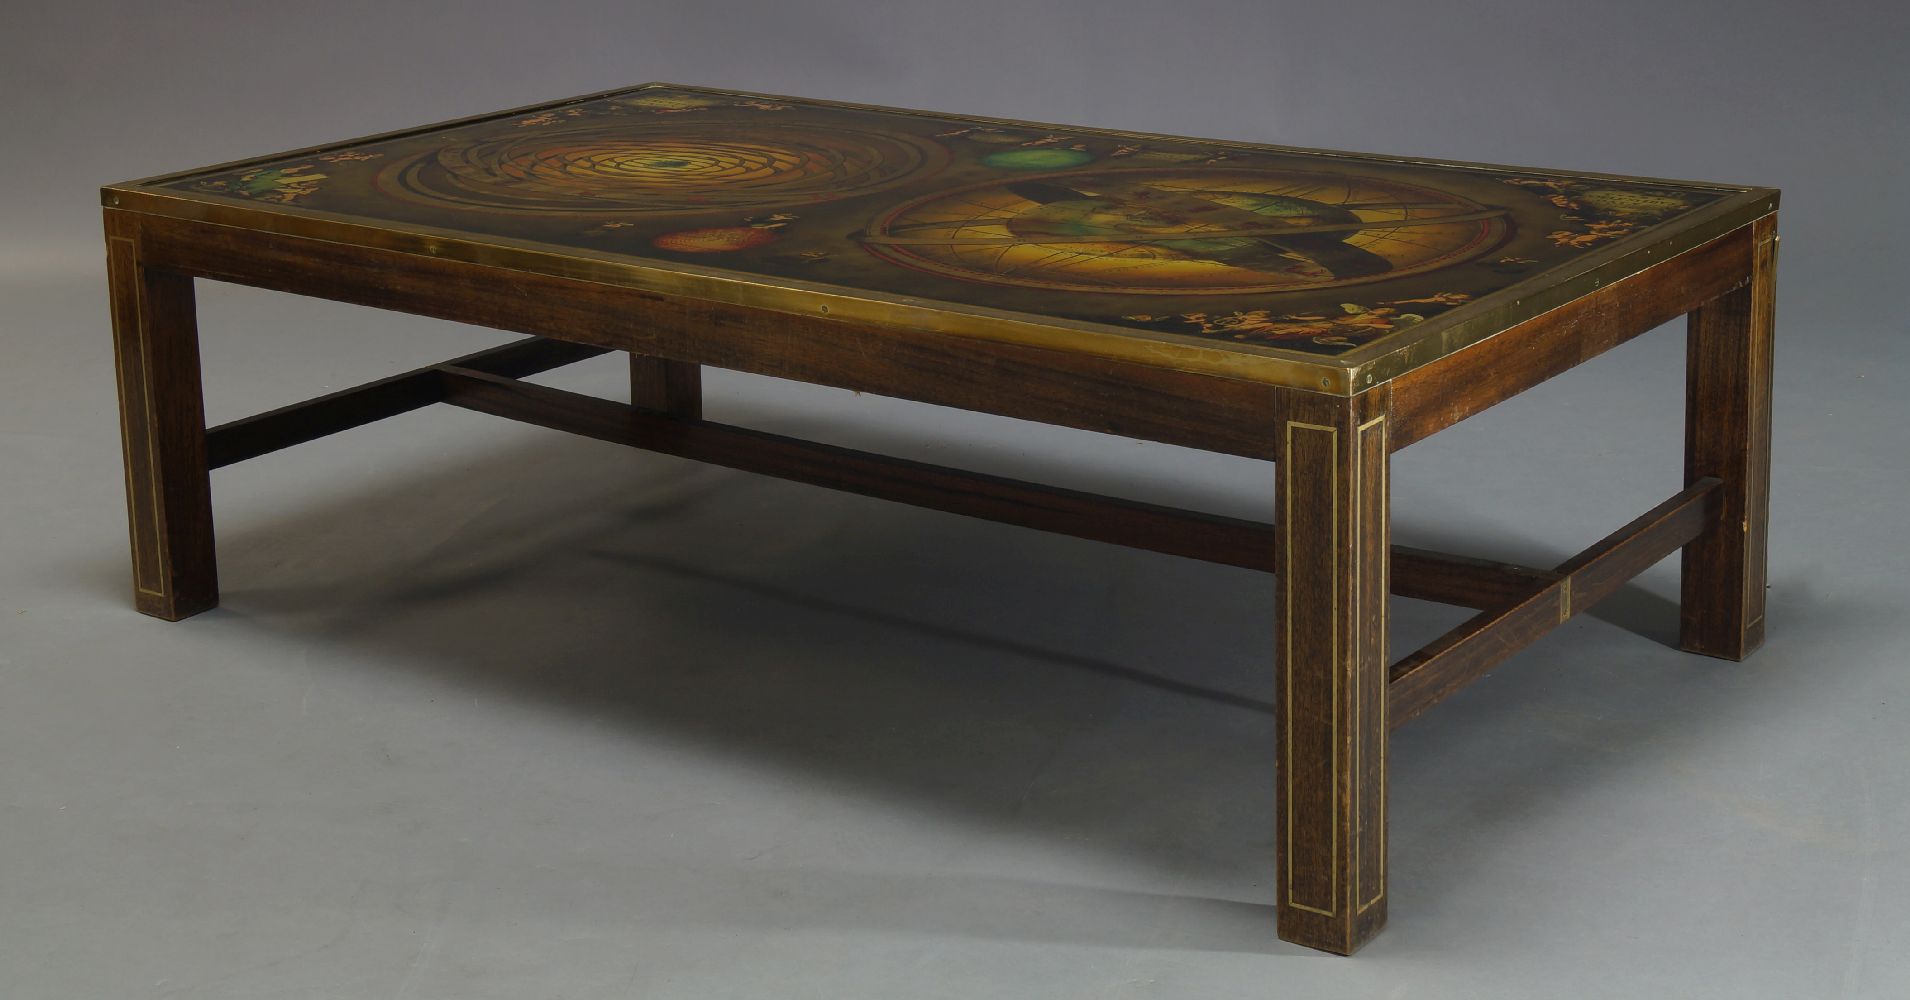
[1317, 309]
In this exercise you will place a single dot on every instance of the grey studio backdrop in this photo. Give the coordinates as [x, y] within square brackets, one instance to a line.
[494, 712]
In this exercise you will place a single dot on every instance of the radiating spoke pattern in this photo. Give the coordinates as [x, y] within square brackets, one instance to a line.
[661, 169]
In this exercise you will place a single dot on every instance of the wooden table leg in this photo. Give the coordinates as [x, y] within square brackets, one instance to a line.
[1331, 587]
[1728, 435]
[163, 430]
[672, 387]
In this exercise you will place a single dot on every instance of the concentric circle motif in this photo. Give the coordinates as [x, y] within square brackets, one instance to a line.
[1187, 230]
[666, 168]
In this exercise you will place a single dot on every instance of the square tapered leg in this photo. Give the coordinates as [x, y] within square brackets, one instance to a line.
[672, 387]
[1728, 436]
[1331, 587]
[163, 431]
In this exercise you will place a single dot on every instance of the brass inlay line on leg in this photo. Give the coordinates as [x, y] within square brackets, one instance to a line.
[1757, 402]
[161, 553]
[144, 564]
[1385, 649]
[1385, 588]
[116, 273]
[1334, 705]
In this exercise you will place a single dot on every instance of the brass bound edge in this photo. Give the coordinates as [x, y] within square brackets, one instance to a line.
[1345, 375]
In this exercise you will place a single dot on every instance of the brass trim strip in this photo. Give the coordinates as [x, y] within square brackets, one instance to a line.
[1342, 375]
[1385, 589]
[1385, 656]
[142, 322]
[1421, 161]
[1490, 315]
[1760, 348]
[128, 270]
[1176, 352]
[326, 147]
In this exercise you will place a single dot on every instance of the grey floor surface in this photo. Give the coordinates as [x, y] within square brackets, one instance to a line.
[490, 711]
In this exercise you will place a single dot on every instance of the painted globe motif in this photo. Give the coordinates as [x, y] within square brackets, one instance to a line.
[1181, 230]
[1164, 214]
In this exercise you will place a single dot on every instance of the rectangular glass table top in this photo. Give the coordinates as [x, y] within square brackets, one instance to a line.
[1329, 258]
